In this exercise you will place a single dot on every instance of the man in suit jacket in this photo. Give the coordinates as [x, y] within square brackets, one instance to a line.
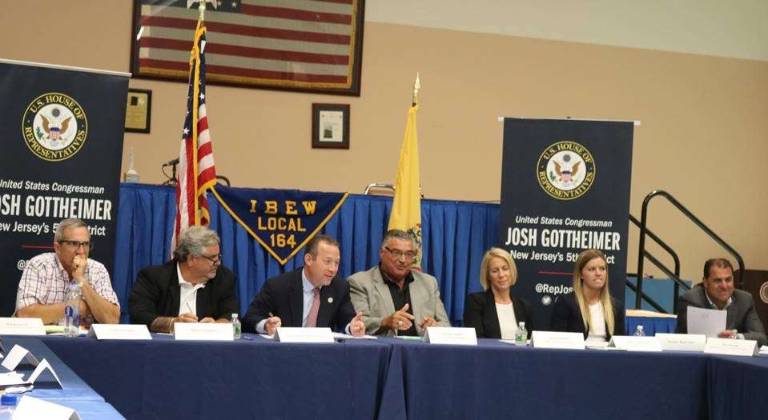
[717, 291]
[311, 296]
[193, 287]
[393, 297]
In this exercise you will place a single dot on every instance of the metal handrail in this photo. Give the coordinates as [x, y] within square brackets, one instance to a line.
[646, 297]
[674, 275]
[694, 219]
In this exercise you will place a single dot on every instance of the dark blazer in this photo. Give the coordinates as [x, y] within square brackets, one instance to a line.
[156, 293]
[283, 297]
[480, 313]
[741, 314]
[566, 316]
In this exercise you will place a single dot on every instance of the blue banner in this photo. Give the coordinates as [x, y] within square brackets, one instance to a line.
[565, 188]
[61, 132]
[282, 221]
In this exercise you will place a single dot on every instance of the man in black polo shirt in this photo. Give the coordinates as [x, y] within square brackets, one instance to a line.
[392, 296]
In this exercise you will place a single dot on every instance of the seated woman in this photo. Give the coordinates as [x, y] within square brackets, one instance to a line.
[589, 309]
[495, 313]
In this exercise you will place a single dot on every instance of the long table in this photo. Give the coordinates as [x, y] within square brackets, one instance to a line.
[249, 378]
[398, 379]
[73, 393]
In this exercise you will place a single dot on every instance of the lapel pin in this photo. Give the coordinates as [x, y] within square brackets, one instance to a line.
[330, 300]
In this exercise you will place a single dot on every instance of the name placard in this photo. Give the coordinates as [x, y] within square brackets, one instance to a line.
[304, 335]
[21, 326]
[557, 340]
[730, 346]
[16, 356]
[451, 335]
[119, 332]
[206, 331]
[682, 342]
[632, 343]
[35, 408]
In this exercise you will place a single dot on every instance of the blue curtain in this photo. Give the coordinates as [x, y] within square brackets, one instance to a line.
[455, 236]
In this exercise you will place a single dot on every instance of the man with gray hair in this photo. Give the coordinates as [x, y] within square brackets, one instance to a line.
[392, 296]
[46, 279]
[192, 287]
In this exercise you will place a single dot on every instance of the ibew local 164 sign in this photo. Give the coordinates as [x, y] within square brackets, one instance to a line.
[282, 221]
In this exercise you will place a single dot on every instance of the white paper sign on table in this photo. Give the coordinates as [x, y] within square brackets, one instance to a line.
[451, 335]
[30, 408]
[633, 343]
[682, 342]
[21, 326]
[731, 346]
[16, 356]
[120, 332]
[557, 340]
[210, 331]
[304, 335]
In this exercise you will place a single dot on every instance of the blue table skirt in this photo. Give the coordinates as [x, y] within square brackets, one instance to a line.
[498, 380]
[651, 325]
[396, 379]
[253, 378]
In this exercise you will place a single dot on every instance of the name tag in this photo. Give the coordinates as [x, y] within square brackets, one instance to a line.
[451, 335]
[632, 343]
[16, 379]
[682, 342]
[557, 340]
[304, 335]
[15, 357]
[119, 332]
[21, 326]
[208, 331]
[730, 346]
[35, 408]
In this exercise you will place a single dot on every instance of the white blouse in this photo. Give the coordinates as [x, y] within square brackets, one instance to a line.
[597, 325]
[507, 321]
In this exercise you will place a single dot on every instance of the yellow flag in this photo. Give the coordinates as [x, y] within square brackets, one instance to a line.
[406, 206]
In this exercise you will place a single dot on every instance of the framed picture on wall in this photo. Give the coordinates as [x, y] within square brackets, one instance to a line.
[138, 112]
[330, 126]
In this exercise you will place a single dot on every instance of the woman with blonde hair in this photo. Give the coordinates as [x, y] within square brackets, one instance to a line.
[589, 309]
[495, 313]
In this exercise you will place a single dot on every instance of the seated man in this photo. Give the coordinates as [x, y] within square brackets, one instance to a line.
[192, 287]
[46, 279]
[716, 291]
[392, 297]
[311, 296]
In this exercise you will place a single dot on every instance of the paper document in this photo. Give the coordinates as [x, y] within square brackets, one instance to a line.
[709, 322]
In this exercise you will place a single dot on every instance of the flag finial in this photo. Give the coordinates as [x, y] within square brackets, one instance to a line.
[416, 87]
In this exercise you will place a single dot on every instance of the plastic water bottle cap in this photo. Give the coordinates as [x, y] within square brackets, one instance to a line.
[9, 399]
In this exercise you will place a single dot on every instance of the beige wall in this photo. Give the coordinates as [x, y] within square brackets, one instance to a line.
[704, 132]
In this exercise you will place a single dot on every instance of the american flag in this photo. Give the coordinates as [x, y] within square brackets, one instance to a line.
[197, 172]
[289, 44]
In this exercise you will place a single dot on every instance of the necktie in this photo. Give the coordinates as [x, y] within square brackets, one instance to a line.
[312, 318]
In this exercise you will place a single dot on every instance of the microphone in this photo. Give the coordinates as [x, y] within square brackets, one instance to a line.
[171, 162]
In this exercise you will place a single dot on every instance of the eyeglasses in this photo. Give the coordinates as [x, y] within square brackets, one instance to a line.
[76, 244]
[409, 255]
[212, 258]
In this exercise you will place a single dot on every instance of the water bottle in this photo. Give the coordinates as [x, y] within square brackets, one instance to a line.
[72, 311]
[521, 335]
[8, 404]
[237, 328]
[639, 332]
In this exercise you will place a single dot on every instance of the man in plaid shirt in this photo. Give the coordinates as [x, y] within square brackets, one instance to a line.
[46, 279]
